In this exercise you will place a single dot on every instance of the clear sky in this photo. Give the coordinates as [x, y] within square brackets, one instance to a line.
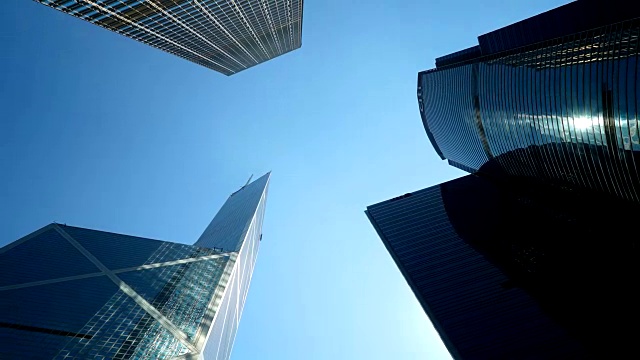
[100, 131]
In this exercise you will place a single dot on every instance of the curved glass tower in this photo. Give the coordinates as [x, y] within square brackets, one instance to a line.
[554, 97]
[74, 293]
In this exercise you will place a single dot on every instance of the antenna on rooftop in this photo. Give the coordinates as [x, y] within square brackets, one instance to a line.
[243, 186]
[248, 180]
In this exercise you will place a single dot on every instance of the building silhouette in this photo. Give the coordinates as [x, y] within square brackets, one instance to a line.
[533, 255]
[226, 36]
[510, 269]
[74, 293]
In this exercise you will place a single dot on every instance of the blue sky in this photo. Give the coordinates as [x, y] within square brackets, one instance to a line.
[99, 131]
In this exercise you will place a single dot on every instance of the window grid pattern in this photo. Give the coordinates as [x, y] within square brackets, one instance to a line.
[225, 36]
[451, 120]
[226, 323]
[53, 314]
[459, 288]
[565, 112]
[87, 315]
[131, 297]
[180, 292]
[229, 227]
[123, 330]
[14, 270]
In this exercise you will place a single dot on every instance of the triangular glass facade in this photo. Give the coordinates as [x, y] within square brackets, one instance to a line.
[180, 292]
[68, 292]
[62, 260]
[80, 311]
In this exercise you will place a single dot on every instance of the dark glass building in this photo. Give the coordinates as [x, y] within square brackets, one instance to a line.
[74, 293]
[534, 256]
[515, 270]
[226, 36]
[553, 97]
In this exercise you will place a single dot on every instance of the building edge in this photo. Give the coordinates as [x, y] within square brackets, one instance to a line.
[436, 324]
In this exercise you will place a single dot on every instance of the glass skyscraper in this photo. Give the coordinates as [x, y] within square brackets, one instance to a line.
[511, 269]
[553, 97]
[227, 36]
[74, 293]
[533, 256]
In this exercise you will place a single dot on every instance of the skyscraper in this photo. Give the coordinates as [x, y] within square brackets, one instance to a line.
[517, 270]
[226, 36]
[74, 293]
[553, 97]
[530, 257]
